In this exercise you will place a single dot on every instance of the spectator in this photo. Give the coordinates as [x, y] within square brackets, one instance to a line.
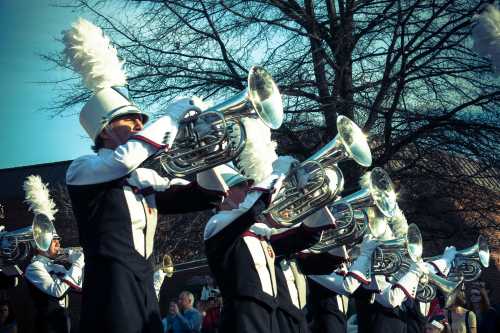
[182, 317]
[460, 319]
[488, 316]
[7, 320]
[212, 315]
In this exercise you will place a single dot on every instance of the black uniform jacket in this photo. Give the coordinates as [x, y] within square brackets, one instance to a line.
[322, 303]
[118, 293]
[237, 258]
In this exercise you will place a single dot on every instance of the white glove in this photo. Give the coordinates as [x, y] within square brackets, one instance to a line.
[361, 267]
[409, 281]
[283, 164]
[368, 245]
[444, 263]
[76, 258]
[449, 253]
[143, 178]
[261, 229]
[181, 106]
[421, 266]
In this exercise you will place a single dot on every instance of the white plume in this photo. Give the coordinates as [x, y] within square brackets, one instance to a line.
[398, 223]
[256, 159]
[486, 35]
[365, 180]
[38, 197]
[92, 56]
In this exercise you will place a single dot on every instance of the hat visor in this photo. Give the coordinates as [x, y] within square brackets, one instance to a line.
[126, 110]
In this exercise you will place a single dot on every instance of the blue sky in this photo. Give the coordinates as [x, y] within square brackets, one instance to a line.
[30, 135]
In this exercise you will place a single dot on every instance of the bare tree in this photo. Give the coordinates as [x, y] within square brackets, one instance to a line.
[402, 69]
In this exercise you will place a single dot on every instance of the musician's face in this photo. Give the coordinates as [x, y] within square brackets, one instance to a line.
[54, 248]
[120, 129]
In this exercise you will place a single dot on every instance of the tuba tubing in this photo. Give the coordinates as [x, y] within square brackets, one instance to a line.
[192, 152]
[324, 179]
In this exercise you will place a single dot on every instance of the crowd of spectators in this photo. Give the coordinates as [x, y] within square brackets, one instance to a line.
[184, 317]
[471, 312]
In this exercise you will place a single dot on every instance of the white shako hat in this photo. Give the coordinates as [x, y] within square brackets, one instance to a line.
[92, 56]
[104, 106]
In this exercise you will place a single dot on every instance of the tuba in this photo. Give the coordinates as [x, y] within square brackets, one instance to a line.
[64, 252]
[377, 190]
[469, 261]
[352, 220]
[318, 180]
[429, 284]
[349, 231]
[15, 245]
[390, 256]
[217, 135]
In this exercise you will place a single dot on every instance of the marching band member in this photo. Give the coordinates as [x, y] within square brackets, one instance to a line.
[114, 201]
[49, 282]
[418, 311]
[292, 267]
[242, 263]
[240, 255]
[341, 284]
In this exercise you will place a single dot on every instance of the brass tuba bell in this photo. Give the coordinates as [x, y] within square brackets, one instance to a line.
[469, 261]
[216, 135]
[167, 266]
[318, 180]
[351, 218]
[377, 190]
[15, 245]
[431, 283]
[390, 256]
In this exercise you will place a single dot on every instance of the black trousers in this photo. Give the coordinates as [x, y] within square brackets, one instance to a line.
[114, 299]
[374, 318]
[55, 321]
[247, 315]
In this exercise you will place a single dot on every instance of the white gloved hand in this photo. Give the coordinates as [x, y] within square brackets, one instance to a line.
[368, 245]
[261, 229]
[181, 106]
[143, 178]
[422, 267]
[76, 257]
[449, 253]
[283, 164]
[443, 264]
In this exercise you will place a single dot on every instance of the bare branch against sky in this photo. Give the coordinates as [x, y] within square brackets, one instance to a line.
[404, 70]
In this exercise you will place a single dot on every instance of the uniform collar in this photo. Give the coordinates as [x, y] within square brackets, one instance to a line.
[104, 151]
[43, 259]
